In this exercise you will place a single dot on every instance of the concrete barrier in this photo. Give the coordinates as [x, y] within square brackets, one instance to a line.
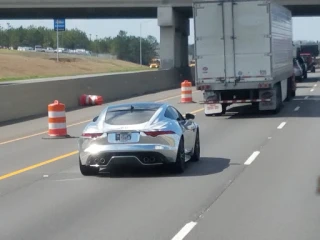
[31, 99]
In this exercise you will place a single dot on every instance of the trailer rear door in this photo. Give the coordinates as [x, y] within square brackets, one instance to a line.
[209, 41]
[252, 40]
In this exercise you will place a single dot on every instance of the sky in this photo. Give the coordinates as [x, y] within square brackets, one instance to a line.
[303, 28]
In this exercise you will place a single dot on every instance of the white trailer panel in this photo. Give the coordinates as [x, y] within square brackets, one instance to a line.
[242, 41]
[209, 44]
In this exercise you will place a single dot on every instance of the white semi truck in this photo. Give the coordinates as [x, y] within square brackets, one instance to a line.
[243, 53]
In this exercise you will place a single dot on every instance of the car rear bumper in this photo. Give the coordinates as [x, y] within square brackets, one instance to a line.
[141, 154]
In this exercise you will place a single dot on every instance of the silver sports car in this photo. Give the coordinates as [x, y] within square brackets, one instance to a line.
[139, 133]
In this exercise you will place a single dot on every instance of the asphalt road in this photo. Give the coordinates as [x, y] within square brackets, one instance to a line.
[256, 180]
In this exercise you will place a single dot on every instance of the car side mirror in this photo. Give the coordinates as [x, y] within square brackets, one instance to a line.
[95, 119]
[190, 116]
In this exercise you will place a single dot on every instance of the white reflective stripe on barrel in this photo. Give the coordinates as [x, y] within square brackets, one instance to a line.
[186, 89]
[57, 125]
[186, 95]
[93, 99]
[87, 99]
[52, 114]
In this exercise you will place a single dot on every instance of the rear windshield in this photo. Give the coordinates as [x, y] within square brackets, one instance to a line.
[128, 117]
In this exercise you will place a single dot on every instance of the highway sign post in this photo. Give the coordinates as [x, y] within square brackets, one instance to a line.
[59, 25]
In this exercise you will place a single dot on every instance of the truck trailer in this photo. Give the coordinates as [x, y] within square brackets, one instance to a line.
[243, 54]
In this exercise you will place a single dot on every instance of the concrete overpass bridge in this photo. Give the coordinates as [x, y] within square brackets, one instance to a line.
[172, 17]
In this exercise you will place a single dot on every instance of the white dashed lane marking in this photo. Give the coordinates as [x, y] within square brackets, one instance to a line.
[184, 231]
[253, 156]
[282, 125]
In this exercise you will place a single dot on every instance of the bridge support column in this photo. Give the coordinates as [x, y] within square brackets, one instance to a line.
[174, 32]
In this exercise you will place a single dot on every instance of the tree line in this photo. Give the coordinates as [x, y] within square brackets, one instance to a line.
[124, 46]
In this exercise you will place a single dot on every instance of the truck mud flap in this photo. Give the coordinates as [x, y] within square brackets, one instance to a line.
[212, 108]
[268, 94]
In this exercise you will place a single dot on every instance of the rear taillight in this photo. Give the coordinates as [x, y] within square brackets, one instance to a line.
[157, 133]
[91, 135]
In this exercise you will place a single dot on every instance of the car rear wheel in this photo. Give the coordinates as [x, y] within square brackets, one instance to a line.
[180, 164]
[88, 171]
[196, 153]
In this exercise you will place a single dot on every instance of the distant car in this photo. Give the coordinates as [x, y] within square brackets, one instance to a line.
[310, 61]
[304, 66]
[139, 133]
[298, 71]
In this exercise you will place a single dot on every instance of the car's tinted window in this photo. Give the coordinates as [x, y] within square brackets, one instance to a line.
[172, 113]
[128, 117]
[168, 114]
[177, 113]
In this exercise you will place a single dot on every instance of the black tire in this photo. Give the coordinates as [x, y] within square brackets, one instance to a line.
[305, 75]
[289, 89]
[279, 100]
[313, 69]
[196, 153]
[180, 164]
[88, 171]
[293, 93]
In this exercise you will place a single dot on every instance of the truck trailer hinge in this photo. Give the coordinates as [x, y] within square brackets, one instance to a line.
[198, 6]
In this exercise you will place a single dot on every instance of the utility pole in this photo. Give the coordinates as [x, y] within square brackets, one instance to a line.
[140, 45]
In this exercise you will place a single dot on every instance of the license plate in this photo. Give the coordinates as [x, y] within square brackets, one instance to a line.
[123, 137]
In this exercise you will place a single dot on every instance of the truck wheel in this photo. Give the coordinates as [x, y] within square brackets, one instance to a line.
[313, 69]
[289, 89]
[278, 99]
[305, 75]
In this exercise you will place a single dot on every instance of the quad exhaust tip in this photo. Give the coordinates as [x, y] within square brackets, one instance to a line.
[149, 159]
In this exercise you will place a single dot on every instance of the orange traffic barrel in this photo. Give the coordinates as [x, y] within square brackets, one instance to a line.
[57, 120]
[186, 92]
[86, 100]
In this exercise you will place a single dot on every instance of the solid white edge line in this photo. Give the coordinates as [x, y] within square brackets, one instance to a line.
[297, 109]
[282, 125]
[253, 156]
[184, 231]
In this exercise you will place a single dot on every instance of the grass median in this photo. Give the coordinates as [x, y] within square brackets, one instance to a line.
[20, 65]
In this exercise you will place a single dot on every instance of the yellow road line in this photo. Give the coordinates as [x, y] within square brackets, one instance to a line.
[37, 165]
[52, 160]
[198, 110]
